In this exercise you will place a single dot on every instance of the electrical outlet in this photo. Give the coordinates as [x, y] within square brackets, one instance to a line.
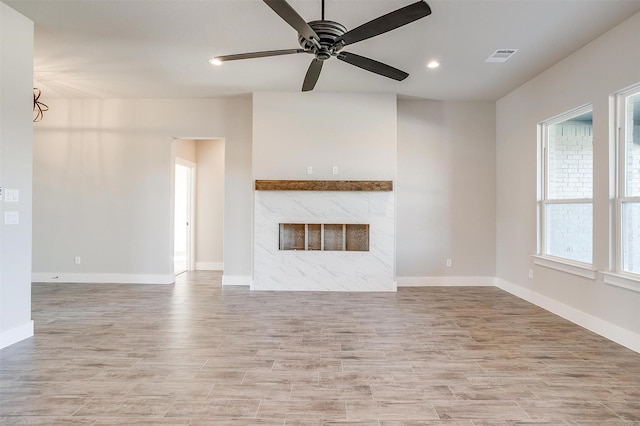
[530, 273]
[309, 170]
[335, 170]
[77, 260]
[449, 263]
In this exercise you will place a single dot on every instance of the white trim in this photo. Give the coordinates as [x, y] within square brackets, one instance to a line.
[90, 278]
[604, 328]
[622, 280]
[209, 266]
[445, 281]
[186, 163]
[229, 280]
[581, 269]
[620, 146]
[16, 334]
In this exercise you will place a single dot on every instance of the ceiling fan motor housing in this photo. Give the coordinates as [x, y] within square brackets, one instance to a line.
[328, 31]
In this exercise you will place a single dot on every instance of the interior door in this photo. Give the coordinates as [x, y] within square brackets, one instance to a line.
[182, 241]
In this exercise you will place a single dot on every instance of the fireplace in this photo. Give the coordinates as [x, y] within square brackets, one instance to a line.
[324, 236]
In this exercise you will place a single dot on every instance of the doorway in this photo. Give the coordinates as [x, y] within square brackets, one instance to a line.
[198, 210]
[183, 216]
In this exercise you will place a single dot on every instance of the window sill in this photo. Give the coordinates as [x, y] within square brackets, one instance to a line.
[580, 269]
[619, 279]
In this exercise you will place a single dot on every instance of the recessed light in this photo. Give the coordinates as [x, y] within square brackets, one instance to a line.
[433, 65]
[215, 61]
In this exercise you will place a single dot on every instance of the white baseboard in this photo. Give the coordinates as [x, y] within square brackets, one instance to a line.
[605, 329]
[52, 277]
[446, 281]
[236, 280]
[16, 334]
[209, 266]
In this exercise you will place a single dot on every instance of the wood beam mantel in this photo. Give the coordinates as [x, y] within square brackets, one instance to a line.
[324, 185]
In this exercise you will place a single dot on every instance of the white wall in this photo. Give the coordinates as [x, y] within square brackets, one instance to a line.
[238, 192]
[105, 161]
[16, 137]
[209, 204]
[591, 75]
[446, 193]
[103, 179]
[185, 149]
[356, 132]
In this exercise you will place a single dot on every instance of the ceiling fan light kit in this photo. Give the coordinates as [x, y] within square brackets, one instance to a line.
[325, 39]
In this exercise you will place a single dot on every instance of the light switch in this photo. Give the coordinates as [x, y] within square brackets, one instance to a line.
[11, 218]
[12, 195]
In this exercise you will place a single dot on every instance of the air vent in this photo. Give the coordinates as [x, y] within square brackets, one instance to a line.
[501, 55]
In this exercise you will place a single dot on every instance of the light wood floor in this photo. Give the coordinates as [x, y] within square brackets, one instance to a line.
[196, 354]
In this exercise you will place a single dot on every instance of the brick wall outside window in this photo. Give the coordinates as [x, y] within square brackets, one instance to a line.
[570, 176]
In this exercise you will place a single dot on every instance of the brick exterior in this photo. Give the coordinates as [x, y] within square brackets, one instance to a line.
[631, 212]
[570, 176]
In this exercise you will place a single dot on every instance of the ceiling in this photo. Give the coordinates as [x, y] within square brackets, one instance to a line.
[160, 49]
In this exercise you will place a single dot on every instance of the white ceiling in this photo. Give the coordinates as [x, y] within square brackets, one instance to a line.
[160, 49]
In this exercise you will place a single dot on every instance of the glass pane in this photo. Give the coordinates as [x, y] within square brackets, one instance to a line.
[633, 146]
[631, 237]
[569, 231]
[333, 237]
[291, 236]
[315, 236]
[357, 238]
[570, 158]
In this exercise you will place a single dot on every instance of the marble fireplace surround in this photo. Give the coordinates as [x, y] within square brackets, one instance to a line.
[315, 201]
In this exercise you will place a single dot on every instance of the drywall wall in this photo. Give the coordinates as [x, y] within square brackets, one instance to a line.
[16, 138]
[591, 75]
[185, 149]
[355, 132]
[209, 204]
[103, 179]
[105, 161]
[446, 193]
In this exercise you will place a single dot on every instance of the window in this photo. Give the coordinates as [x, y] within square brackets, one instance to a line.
[628, 200]
[566, 205]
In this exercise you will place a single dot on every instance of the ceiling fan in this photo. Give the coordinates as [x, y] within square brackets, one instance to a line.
[325, 39]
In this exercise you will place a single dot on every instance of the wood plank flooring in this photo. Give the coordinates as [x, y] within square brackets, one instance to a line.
[196, 354]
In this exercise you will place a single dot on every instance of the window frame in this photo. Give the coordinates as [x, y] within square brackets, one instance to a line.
[621, 197]
[543, 258]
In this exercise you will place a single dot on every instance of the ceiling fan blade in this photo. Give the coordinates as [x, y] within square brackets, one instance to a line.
[373, 66]
[288, 13]
[313, 73]
[385, 23]
[262, 54]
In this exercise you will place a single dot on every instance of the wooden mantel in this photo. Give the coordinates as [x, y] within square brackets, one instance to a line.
[324, 185]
